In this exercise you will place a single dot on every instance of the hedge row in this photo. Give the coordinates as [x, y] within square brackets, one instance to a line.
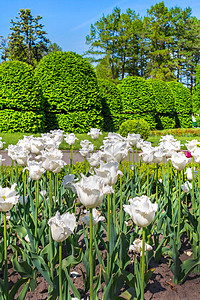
[64, 86]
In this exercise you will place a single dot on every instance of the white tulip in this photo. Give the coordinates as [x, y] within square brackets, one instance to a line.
[189, 173]
[51, 160]
[94, 132]
[57, 135]
[133, 138]
[94, 159]
[87, 147]
[68, 182]
[179, 160]
[137, 246]
[91, 190]
[1, 143]
[1, 159]
[158, 155]
[115, 151]
[36, 145]
[186, 187]
[167, 138]
[96, 217]
[196, 154]
[116, 137]
[147, 154]
[8, 197]
[141, 210]
[109, 172]
[70, 138]
[35, 169]
[62, 226]
[192, 145]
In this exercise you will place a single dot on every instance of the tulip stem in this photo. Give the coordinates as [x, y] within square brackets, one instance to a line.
[24, 193]
[179, 206]
[108, 234]
[156, 183]
[5, 257]
[148, 180]
[60, 270]
[133, 157]
[36, 206]
[91, 257]
[12, 173]
[193, 202]
[50, 237]
[143, 263]
[114, 211]
[71, 158]
[121, 205]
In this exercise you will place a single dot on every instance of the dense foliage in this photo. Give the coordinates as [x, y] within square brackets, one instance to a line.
[19, 89]
[139, 126]
[164, 101]
[69, 85]
[183, 104]
[111, 105]
[138, 99]
[21, 121]
[20, 98]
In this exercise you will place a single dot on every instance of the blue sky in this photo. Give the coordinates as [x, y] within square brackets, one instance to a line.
[67, 22]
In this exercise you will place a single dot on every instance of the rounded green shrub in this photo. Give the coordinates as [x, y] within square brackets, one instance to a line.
[70, 88]
[183, 104]
[164, 104]
[19, 89]
[111, 105]
[68, 82]
[139, 126]
[21, 121]
[138, 99]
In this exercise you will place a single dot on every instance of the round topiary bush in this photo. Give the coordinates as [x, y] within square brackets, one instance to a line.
[19, 89]
[165, 104]
[138, 100]
[21, 101]
[139, 126]
[111, 105]
[183, 104]
[69, 85]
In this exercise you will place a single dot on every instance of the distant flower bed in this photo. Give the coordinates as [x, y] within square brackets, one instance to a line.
[177, 132]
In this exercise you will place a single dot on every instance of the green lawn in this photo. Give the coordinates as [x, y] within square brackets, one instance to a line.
[12, 138]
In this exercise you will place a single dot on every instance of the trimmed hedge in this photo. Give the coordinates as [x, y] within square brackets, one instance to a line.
[19, 89]
[164, 101]
[138, 99]
[70, 89]
[17, 121]
[68, 82]
[77, 122]
[183, 104]
[111, 105]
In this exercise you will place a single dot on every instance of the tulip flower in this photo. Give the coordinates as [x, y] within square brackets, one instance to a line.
[1, 143]
[57, 135]
[189, 173]
[70, 138]
[188, 154]
[68, 182]
[137, 246]
[35, 169]
[109, 172]
[141, 210]
[91, 190]
[94, 132]
[8, 197]
[115, 151]
[192, 145]
[95, 159]
[186, 187]
[36, 145]
[179, 160]
[132, 139]
[96, 217]
[62, 226]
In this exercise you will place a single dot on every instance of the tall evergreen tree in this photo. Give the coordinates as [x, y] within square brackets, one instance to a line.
[27, 41]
